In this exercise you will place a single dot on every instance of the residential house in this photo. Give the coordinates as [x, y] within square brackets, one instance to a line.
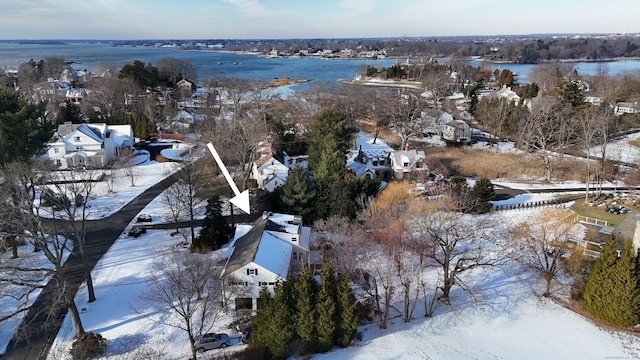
[186, 88]
[88, 145]
[370, 160]
[508, 94]
[263, 254]
[456, 131]
[409, 164]
[271, 167]
[626, 108]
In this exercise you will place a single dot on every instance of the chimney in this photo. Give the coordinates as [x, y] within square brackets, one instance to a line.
[406, 147]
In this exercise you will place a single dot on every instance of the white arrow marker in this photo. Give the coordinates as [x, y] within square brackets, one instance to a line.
[241, 200]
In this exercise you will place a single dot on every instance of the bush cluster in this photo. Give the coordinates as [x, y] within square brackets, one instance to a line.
[88, 346]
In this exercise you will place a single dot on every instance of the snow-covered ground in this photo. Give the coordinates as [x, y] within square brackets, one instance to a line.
[505, 319]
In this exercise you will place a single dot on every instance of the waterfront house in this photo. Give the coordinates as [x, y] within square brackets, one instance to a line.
[409, 165]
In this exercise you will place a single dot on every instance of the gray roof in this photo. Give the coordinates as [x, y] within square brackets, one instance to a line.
[245, 247]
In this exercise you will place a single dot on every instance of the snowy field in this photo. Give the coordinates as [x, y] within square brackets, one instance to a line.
[505, 319]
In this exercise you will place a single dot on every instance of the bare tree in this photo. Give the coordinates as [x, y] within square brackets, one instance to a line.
[188, 285]
[402, 112]
[126, 160]
[541, 243]
[546, 132]
[20, 189]
[77, 185]
[455, 242]
[176, 69]
[172, 197]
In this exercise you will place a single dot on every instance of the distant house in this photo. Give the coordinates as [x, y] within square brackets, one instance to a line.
[263, 254]
[186, 88]
[75, 95]
[88, 145]
[626, 108]
[409, 164]
[456, 131]
[508, 94]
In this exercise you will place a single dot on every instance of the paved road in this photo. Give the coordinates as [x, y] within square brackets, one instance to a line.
[100, 236]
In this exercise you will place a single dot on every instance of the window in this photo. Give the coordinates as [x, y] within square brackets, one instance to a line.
[294, 239]
[265, 283]
[252, 271]
[375, 162]
[78, 147]
[238, 283]
[56, 150]
[77, 138]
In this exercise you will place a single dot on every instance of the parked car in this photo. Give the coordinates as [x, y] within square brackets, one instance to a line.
[144, 218]
[211, 341]
[137, 231]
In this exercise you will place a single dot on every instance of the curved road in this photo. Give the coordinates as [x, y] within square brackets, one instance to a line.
[101, 234]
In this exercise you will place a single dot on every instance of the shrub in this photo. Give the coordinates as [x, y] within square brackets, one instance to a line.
[88, 346]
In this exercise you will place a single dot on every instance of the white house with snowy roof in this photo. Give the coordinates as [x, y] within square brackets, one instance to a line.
[263, 254]
[370, 159]
[88, 145]
[271, 167]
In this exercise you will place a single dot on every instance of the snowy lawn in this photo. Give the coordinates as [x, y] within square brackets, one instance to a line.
[504, 319]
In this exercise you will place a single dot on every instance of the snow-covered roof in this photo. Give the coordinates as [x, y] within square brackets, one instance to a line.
[273, 254]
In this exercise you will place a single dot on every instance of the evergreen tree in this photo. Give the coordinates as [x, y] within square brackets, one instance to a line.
[612, 292]
[69, 112]
[273, 327]
[626, 289]
[331, 136]
[23, 127]
[215, 229]
[347, 318]
[306, 292]
[326, 308]
[484, 192]
[298, 193]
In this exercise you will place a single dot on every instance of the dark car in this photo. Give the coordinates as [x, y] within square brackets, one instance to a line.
[137, 231]
[211, 341]
[144, 218]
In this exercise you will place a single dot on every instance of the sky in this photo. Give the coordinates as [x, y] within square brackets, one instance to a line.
[288, 19]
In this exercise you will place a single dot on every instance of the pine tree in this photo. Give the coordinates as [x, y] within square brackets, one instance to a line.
[596, 298]
[298, 193]
[612, 292]
[484, 192]
[326, 308]
[347, 322]
[305, 316]
[215, 229]
[626, 289]
[273, 324]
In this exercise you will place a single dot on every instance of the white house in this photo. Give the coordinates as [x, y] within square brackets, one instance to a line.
[510, 95]
[409, 164]
[263, 254]
[626, 108]
[271, 167]
[88, 145]
[456, 131]
[369, 159]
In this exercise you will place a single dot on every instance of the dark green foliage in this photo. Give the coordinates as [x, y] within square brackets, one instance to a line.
[483, 192]
[305, 315]
[570, 91]
[612, 292]
[273, 327]
[69, 112]
[23, 127]
[331, 136]
[527, 91]
[326, 308]
[347, 318]
[145, 76]
[284, 137]
[396, 72]
[215, 229]
[88, 346]
[297, 193]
